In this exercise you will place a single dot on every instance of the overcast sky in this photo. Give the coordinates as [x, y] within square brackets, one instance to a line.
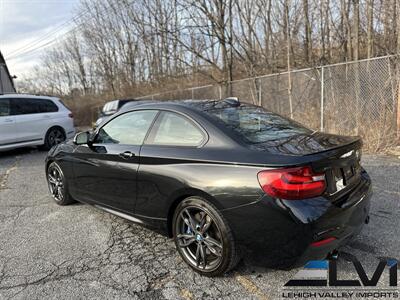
[23, 22]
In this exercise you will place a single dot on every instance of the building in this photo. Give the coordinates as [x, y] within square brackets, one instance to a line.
[6, 81]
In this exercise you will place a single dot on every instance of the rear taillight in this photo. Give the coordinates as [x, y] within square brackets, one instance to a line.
[292, 183]
[70, 115]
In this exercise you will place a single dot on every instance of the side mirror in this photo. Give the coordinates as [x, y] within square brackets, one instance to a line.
[82, 138]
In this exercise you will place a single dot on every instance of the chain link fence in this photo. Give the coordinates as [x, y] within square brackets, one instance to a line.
[362, 98]
[354, 98]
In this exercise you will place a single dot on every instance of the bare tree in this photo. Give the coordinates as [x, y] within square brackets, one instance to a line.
[129, 47]
[356, 28]
[370, 28]
[307, 33]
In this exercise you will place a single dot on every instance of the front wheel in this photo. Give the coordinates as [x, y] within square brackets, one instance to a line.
[203, 237]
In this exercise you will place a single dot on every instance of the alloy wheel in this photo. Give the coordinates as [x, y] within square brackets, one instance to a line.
[55, 137]
[56, 183]
[199, 238]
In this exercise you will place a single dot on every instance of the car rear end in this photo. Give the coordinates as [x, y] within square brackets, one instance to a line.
[315, 194]
[333, 198]
[64, 118]
[349, 191]
[307, 210]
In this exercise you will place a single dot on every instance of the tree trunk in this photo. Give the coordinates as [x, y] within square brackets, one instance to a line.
[289, 46]
[356, 28]
[307, 33]
[398, 33]
[370, 28]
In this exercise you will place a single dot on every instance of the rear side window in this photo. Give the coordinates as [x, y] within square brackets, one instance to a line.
[129, 129]
[257, 125]
[47, 106]
[63, 104]
[24, 106]
[4, 107]
[176, 130]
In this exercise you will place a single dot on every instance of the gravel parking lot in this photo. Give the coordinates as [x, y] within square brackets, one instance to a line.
[77, 251]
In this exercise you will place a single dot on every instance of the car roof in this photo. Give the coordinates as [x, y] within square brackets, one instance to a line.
[189, 107]
[184, 105]
[29, 96]
[160, 104]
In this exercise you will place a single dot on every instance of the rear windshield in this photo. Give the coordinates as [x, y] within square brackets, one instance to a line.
[255, 124]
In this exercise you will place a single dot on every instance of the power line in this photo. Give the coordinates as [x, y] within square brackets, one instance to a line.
[27, 49]
[35, 49]
[46, 36]
[31, 46]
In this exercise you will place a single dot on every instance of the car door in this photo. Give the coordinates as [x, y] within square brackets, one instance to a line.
[8, 129]
[105, 172]
[32, 118]
[174, 142]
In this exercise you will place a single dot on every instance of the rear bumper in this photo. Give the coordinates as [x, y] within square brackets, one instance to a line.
[279, 233]
[71, 133]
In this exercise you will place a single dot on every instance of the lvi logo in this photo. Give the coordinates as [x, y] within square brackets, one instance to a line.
[324, 273]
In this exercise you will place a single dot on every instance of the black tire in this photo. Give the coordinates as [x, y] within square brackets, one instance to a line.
[58, 185]
[215, 245]
[54, 136]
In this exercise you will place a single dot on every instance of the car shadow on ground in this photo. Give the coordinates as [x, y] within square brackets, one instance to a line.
[20, 151]
[254, 266]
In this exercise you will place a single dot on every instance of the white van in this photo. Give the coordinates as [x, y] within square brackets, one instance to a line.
[30, 120]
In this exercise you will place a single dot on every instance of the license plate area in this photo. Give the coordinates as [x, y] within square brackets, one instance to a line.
[338, 179]
[344, 176]
[348, 173]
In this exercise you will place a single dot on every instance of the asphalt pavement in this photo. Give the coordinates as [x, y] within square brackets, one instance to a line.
[79, 252]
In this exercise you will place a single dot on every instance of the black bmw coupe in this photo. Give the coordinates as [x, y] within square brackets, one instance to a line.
[222, 178]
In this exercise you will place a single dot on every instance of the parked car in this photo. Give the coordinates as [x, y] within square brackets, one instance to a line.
[219, 176]
[30, 120]
[111, 108]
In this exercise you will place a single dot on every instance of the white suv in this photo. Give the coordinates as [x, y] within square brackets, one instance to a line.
[29, 120]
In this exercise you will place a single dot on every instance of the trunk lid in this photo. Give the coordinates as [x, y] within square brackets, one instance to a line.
[342, 169]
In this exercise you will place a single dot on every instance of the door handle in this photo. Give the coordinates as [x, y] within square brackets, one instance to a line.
[127, 154]
[8, 120]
